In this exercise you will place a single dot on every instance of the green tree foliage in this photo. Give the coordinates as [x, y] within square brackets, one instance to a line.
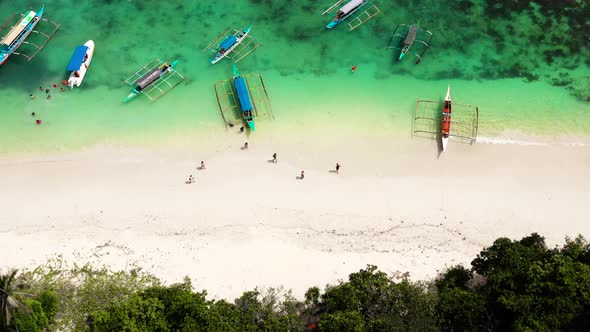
[459, 307]
[523, 286]
[511, 286]
[343, 321]
[178, 308]
[9, 304]
[82, 290]
[34, 319]
[379, 302]
[41, 310]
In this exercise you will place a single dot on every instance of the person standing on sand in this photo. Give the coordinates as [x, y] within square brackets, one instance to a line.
[202, 164]
[337, 167]
[274, 157]
[246, 145]
[302, 175]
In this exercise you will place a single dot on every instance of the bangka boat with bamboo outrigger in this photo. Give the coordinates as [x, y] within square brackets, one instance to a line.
[235, 42]
[355, 12]
[446, 120]
[20, 30]
[79, 63]
[410, 39]
[243, 98]
[154, 80]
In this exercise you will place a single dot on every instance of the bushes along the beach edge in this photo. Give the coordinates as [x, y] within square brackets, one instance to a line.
[511, 285]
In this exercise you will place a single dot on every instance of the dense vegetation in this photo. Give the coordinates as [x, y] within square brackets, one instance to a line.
[510, 286]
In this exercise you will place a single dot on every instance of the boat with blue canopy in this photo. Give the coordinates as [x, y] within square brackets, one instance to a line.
[354, 12]
[243, 98]
[20, 30]
[154, 80]
[232, 41]
[79, 63]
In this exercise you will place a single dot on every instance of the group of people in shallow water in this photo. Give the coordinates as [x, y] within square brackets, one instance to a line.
[47, 91]
[191, 178]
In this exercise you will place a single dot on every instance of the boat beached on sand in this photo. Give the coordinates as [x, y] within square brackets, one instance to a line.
[15, 37]
[243, 96]
[446, 120]
[79, 63]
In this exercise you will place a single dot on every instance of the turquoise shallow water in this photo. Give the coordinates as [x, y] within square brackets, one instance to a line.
[522, 77]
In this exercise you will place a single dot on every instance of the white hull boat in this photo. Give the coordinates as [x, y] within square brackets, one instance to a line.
[446, 120]
[79, 63]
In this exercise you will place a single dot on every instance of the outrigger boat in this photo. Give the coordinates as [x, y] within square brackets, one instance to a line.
[410, 39]
[446, 120]
[79, 63]
[462, 124]
[244, 100]
[241, 98]
[154, 80]
[15, 37]
[348, 12]
[231, 44]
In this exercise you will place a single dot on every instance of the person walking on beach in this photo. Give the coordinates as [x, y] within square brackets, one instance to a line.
[246, 145]
[274, 157]
[242, 129]
[202, 165]
[337, 167]
[191, 179]
[302, 175]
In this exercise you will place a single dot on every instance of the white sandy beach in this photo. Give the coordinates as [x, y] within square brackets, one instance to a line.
[247, 222]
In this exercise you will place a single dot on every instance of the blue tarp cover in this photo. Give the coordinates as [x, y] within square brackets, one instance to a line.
[228, 42]
[243, 95]
[77, 57]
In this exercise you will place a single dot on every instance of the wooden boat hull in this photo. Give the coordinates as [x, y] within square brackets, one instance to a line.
[446, 120]
[7, 52]
[76, 80]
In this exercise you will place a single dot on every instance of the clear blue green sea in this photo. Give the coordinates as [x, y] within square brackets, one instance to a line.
[526, 65]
